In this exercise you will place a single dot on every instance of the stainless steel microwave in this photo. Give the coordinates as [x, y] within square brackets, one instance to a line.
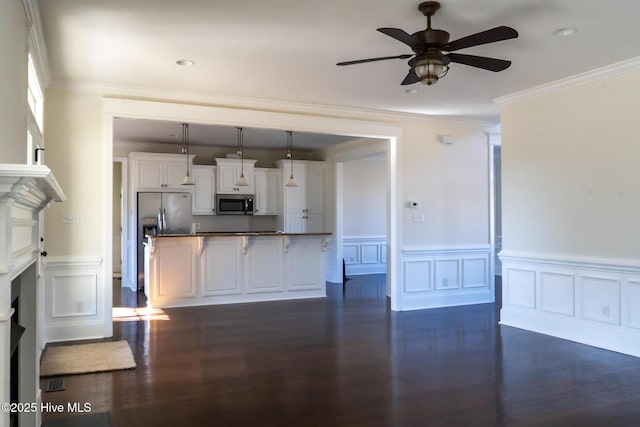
[234, 204]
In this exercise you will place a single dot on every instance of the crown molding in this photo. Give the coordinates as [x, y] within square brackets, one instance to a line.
[37, 44]
[569, 82]
[180, 96]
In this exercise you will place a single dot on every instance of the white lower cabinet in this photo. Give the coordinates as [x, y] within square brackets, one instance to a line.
[220, 267]
[203, 270]
[263, 266]
[173, 270]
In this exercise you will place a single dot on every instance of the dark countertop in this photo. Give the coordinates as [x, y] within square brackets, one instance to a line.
[240, 233]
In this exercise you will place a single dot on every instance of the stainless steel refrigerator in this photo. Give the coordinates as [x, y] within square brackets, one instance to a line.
[161, 213]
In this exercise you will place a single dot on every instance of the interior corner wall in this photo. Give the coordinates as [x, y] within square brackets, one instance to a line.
[570, 209]
[77, 293]
[13, 82]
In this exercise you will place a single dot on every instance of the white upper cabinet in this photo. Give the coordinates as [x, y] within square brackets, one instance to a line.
[303, 206]
[266, 195]
[228, 173]
[204, 190]
[155, 171]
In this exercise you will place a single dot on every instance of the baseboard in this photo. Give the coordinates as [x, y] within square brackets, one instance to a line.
[445, 276]
[593, 301]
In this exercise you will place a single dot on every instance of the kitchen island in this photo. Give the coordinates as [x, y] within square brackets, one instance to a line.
[233, 267]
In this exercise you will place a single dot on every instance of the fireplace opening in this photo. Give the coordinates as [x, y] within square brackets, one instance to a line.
[17, 331]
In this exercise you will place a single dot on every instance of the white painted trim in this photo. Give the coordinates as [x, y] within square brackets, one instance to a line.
[445, 250]
[125, 245]
[583, 299]
[586, 262]
[85, 323]
[37, 42]
[425, 290]
[572, 81]
[124, 91]
[72, 261]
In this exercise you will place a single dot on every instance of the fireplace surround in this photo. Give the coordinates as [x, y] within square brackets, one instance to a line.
[25, 191]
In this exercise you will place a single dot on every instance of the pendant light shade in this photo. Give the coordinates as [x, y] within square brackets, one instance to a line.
[188, 179]
[292, 181]
[242, 181]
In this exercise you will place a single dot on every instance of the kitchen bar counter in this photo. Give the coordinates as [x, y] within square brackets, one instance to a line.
[234, 267]
[240, 233]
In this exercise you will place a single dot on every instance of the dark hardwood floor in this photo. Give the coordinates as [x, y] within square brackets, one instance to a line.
[347, 360]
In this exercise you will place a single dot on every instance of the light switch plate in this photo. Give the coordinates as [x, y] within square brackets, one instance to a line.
[418, 217]
[72, 218]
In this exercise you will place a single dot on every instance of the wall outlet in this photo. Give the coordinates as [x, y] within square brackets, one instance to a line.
[445, 282]
[79, 307]
[604, 311]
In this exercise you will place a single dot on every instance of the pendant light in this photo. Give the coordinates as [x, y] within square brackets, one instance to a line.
[242, 182]
[187, 180]
[292, 182]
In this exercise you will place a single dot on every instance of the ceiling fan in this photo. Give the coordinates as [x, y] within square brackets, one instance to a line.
[428, 62]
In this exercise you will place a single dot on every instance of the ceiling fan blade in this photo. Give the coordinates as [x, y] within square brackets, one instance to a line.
[490, 64]
[489, 36]
[382, 58]
[401, 36]
[411, 78]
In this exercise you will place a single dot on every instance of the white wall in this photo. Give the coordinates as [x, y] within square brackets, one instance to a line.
[571, 203]
[13, 82]
[365, 198]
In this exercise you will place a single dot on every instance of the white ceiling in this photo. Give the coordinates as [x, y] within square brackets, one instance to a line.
[286, 50]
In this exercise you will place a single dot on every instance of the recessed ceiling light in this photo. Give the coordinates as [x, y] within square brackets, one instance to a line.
[564, 32]
[412, 90]
[185, 62]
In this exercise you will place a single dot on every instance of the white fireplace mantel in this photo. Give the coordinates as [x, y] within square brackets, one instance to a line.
[25, 190]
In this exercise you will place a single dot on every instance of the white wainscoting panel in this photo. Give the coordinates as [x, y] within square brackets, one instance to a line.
[217, 273]
[263, 266]
[365, 255]
[447, 273]
[557, 291]
[521, 287]
[633, 304]
[594, 301]
[446, 276]
[474, 272]
[417, 274]
[75, 299]
[600, 299]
